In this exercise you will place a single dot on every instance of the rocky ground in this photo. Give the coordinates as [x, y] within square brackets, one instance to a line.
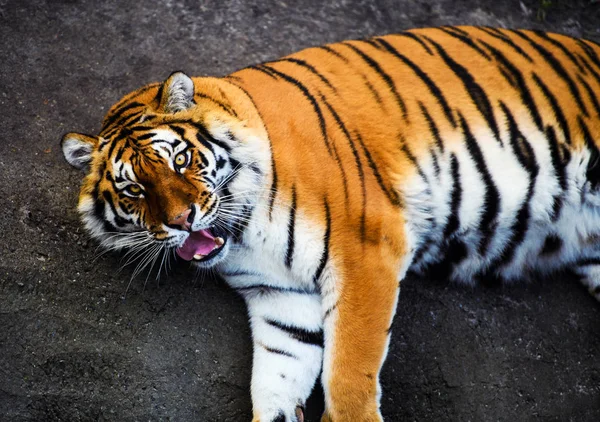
[75, 347]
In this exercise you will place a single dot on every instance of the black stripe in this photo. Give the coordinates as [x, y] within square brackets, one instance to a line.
[159, 93]
[377, 68]
[359, 167]
[96, 190]
[204, 137]
[113, 182]
[594, 43]
[416, 38]
[491, 205]
[453, 253]
[99, 211]
[391, 194]
[217, 142]
[493, 32]
[453, 222]
[222, 105]
[591, 95]
[279, 418]
[264, 288]
[552, 244]
[474, 90]
[205, 163]
[267, 71]
[589, 51]
[369, 86]
[435, 132]
[521, 85]
[273, 190]
[137, 93]
[557, 67]
[121, 125]
[289, 254]
[433, 88]
[526, 157]
[204, 142]
[556, 108]
[329, 311]
[179, 131]
[145, 136]
[113, 145]
[99, 204]
[520, 146]
[587, 262]
[589, 68]
[311, 69]
[119, 221]
[559, 170]
[326, 238]
[118, 114]
[340, 124]
[278, 352]
[456, 29]
[509, 78]
[561, 47]
[311, 99]
[465, 38]
[372, 89]
[413, 160]
[331, 51]
[103, 143]
[314, 338]
[122, 150]
[434, 162]
[213, 205]
[593, 169]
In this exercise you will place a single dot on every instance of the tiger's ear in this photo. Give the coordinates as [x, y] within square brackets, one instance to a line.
[77, 149]
[177, 93]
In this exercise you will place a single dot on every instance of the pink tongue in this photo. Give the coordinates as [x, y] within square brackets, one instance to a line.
[200, 242]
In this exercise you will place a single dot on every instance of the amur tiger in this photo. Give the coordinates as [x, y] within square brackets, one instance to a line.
[315, 182]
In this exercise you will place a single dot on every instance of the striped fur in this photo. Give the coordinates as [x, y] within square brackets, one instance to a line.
[469, 153]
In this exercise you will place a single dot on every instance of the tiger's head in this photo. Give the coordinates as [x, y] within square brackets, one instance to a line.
[172, 169]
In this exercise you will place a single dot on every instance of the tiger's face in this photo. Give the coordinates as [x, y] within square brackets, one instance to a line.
[158, 177]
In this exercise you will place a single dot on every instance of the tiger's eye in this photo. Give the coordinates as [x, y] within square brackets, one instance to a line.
[180, 159]
[134, 190]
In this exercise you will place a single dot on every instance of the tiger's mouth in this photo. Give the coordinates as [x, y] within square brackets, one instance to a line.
[202, 245]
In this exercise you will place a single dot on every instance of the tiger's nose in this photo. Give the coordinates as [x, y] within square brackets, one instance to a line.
[183, 220]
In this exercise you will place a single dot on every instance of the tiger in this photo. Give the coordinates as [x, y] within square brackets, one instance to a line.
[314, 183]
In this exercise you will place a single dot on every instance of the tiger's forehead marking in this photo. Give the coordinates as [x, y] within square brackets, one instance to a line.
[167, 143]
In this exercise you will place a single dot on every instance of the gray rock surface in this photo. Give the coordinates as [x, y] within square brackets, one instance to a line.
[75, 347]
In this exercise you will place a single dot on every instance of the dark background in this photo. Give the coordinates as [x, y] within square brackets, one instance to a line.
[73, 347]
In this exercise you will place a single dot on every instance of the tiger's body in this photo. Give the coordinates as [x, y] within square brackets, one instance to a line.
[332, 172]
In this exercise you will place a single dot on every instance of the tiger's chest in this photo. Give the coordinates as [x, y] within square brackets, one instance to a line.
[279, 250]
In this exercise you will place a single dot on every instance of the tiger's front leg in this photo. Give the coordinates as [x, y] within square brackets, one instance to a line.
[288, 351]
[357, 332]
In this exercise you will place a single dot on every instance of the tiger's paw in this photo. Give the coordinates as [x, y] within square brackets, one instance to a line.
[281, 416]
